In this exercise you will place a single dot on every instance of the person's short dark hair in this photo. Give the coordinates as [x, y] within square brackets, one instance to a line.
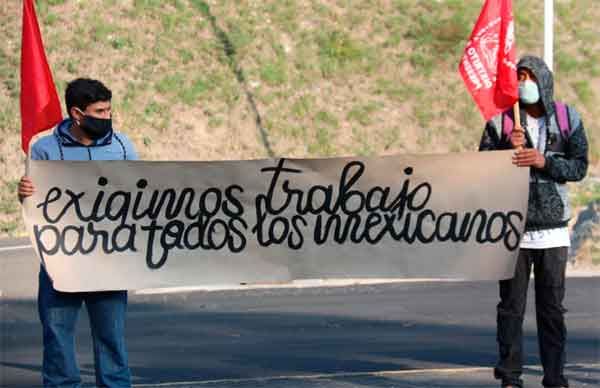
[82, 92]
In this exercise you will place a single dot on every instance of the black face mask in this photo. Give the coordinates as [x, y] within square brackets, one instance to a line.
[96, 128]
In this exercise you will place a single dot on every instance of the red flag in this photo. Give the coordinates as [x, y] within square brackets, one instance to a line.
[40, 106]
[488, 66]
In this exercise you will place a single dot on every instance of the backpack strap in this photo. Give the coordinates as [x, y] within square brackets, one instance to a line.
[562, 118]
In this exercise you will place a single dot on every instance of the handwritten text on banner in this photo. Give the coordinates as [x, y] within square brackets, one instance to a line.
[130, 225]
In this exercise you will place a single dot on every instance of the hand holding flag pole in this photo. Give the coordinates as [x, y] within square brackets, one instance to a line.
[517, 125]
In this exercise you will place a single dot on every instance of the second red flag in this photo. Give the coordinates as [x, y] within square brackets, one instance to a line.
[488, 65]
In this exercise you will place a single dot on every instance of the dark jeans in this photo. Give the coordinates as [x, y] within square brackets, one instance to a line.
[549, 269]
[59, 312]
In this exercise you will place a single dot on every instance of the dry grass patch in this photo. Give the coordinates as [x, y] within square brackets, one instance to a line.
[334, 77]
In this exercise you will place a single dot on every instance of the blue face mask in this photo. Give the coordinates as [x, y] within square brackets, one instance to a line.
[529, 92]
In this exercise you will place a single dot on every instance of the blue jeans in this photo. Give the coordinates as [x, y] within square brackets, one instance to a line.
[59, 312]
[549, 268]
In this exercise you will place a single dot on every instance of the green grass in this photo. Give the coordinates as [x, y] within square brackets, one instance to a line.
[303, 106]
[283, 13]
[595, 255]
[51, 19]
[584, 91]
[361, 138]
[326, 125]
[147, 5]
[186, 56]
[191, 95]
[9, 227]
[294, 131]
[567, 64]
[120, 42]
[424, 115]
[325, 118]
[274, 73]
[362, 113]
[9, 207]
[423, 63]
[389, 89]
[155, 113]
[337, 51]
[101, 31]
[9, 73]
[170, 84]
[328, 77]
[240, 36]
[215, 121]
[584, 193]
[321, 146]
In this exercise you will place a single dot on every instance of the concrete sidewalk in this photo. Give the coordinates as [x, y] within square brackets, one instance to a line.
[580, 376]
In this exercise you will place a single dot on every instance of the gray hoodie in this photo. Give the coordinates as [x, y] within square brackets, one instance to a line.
[566, 156]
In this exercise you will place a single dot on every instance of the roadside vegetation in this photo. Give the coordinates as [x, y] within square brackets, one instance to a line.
[210, 79]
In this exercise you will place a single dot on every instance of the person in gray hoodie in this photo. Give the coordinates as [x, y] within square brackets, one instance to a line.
[555, 155]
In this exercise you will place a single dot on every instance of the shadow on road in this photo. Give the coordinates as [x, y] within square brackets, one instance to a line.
[197, 338]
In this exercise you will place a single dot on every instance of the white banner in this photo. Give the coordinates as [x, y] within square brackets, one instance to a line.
[129, 225]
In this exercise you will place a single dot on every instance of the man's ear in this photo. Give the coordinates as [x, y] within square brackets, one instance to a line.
[76, 114]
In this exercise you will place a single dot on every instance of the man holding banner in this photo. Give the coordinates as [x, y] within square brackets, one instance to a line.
[555, 148]
[86, 135]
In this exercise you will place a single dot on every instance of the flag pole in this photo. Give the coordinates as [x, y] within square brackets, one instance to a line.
[517, 120]
[27, 164]
[517, 115]
[549, 33]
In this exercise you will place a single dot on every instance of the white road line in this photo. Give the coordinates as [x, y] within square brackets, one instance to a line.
[348, 374]
[303, 283]
[16, 248]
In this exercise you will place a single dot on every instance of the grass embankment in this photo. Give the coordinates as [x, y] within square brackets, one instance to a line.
[207, 80]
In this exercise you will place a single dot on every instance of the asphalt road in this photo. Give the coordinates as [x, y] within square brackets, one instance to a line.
[423, 334]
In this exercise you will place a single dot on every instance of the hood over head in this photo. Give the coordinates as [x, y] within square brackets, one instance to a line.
[545, 80]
